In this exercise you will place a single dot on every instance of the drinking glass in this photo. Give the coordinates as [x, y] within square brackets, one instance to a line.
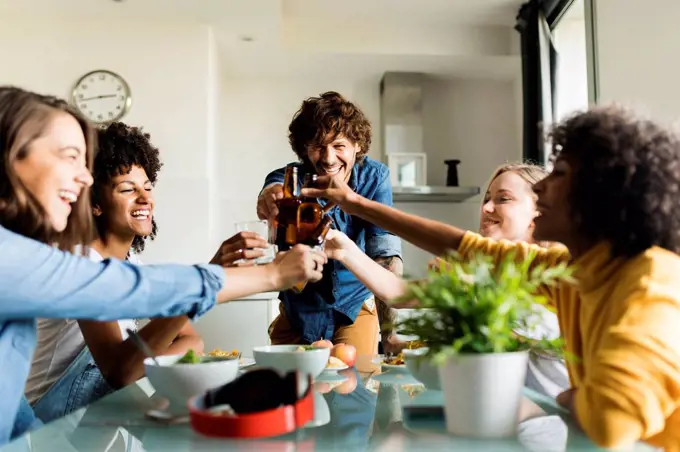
[261, 228]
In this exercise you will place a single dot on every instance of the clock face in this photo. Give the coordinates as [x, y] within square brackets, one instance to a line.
[102, 96]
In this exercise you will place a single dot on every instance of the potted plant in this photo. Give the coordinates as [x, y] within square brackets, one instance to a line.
[471, 309]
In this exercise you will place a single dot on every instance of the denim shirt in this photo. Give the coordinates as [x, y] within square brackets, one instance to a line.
[338, 297]
[41, 281]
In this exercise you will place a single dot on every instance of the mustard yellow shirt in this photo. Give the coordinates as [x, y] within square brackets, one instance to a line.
[622, 322]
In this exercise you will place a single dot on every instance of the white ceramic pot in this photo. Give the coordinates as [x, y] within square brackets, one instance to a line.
[483, 393]
[422, 368]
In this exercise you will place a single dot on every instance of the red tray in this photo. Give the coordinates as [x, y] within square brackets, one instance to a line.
[264, 424]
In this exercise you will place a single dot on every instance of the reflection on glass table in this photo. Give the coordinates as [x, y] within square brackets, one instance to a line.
[357, 409]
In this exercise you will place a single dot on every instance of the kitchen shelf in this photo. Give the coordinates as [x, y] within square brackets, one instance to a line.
[433, 194]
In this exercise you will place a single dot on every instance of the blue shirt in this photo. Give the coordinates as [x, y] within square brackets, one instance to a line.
[337, 299]
[38, 280]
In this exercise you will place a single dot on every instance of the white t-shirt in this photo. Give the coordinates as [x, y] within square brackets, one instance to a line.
[59, 343]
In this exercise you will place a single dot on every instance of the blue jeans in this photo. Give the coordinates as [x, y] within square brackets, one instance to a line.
[25, 419]
[80, 385]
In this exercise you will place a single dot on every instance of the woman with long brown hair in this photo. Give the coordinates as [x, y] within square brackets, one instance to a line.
[46, 157]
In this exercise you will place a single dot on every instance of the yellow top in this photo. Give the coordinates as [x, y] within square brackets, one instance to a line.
[622, 323]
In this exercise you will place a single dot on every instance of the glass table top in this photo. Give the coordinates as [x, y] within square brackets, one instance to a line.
[387, 410]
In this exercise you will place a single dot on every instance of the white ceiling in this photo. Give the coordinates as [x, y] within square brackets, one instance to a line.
[496, 12]
[488, 12]
[264, 21]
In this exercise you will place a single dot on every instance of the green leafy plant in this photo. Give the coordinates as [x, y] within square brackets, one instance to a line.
[474, 306]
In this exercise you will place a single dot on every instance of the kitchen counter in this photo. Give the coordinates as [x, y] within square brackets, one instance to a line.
[240, 324]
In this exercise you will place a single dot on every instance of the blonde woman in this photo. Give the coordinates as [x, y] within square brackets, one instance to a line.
[507, 213]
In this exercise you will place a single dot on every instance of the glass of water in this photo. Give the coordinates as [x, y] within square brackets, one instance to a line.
[261, 228]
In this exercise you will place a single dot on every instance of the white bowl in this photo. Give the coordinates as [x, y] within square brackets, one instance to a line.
[422, 368]
[179, 382]
[286, 358]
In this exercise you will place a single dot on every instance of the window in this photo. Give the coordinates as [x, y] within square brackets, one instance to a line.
[571, 84]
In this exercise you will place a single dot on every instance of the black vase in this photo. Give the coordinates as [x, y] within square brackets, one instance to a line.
[452, 173]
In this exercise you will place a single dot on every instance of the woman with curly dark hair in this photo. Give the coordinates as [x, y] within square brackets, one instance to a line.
[79, 361]
[613, 199]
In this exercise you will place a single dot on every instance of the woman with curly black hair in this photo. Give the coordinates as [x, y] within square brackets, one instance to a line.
[79, 361]
[613, 199]
[125, 171]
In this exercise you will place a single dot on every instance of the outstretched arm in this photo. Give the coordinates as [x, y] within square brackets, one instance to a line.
[384, 284]
[432, 236]
[387, 315]
[46, 282]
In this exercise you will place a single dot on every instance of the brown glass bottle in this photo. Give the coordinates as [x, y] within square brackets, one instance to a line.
[316, 241]
[311, 181]
[291, 189]
[287, 218]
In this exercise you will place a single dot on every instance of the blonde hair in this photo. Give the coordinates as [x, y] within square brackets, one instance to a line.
[532, 174]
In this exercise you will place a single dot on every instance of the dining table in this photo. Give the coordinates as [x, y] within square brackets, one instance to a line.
[368, 408]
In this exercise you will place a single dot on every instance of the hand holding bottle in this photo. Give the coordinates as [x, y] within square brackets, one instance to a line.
[335, 190]
[300, 264]
[266, 202]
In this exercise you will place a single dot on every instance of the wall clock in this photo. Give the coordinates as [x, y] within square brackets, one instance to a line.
[102, 96]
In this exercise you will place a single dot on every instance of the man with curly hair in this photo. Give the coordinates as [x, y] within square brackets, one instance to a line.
[331, 136]
[78, 361]
[613, 200]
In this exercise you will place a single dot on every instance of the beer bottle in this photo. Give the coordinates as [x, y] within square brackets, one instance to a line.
[316, 241]
[298, 217]
[311, 181]
[287, 218]
[290, 183]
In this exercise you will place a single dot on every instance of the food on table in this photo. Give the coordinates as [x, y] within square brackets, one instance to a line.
[335, 363]
[304, 348]
[412, 345]
[342, 352]
[217, 353]
[323, 343]
[396, 360]
[190, 357]
[346, 353]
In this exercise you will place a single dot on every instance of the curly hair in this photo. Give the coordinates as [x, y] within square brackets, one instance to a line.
[120, 148]
[320, 120]
[625, 186]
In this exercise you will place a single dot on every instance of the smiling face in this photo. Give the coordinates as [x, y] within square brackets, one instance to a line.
[54, 168]
[508, 210]
[555, 222]
[337, 158]
[128, 204]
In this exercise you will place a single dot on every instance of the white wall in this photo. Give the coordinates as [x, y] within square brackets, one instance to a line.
[171, 71]
[637, 44]
[472, 120]
[220, 136]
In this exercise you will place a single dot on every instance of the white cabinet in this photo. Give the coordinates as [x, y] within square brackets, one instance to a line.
[240, 324]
